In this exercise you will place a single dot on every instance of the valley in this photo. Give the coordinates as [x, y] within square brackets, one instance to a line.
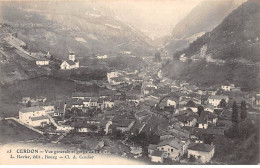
[87, 80]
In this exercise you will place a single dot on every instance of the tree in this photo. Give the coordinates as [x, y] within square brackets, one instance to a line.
[243, 113]
[51, 57]
[222, 103]
[157, 56]
[200, 110]
[29, 104]
[93, 127]
[117, 134]
[234, 113]
[191, 103]
[192, 158]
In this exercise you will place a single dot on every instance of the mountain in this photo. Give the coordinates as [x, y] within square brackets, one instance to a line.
[203, 18]
[85, 28]
[230, 52]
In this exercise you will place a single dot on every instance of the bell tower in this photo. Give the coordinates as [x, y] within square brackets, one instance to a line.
[72, 57]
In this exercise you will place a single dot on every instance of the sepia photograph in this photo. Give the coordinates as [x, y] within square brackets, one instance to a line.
[129, 82]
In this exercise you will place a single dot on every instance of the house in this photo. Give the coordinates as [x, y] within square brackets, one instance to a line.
[173, 148]
[204, 99]
[100, 57]
[142, 115]
[136, 151]
[125, 125]
[187, 120]
[202, 152]
[202, 91]
[112, 75]
[216, 99]
[212, 92]
[171, 102]
[209, 107]
[227, 87]
[69, 65]
[94, 102]
[183, 102]
[151, 103]
[148, 90]
[133, 98]
[209, 117]
[202, 123]
[25, 100]
[34, 116]
[48, 108]
[42, 62]
[83, 95]
[77, 104]
[117, 80]
[193, 109]
[108, 103]
[157, 156]
[72, 63]
[39, 121]
[118, 148]
[179, 131]
[183, 58]
[41, 99]
[163, 134]
[79, 129]
[126, 52]
[151, 148]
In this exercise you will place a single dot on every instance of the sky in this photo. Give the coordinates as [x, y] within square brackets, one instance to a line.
[155, 18]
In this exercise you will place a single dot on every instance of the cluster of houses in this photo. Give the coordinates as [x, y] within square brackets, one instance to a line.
[116, 78]
[35, 113]
[86, 100]
[134, 102]
[44, 59]
[71, 63]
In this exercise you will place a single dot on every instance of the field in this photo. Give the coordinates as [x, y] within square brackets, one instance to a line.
[43, 86]
[12, 131]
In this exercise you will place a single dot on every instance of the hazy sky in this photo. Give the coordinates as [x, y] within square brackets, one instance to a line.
[156, 18]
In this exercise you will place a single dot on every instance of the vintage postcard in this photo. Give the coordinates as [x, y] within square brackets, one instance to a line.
[129, 82]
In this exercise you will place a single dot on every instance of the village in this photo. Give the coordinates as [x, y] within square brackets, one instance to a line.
[135, 113]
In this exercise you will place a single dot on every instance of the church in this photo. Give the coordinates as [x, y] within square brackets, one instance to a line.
[72, 63]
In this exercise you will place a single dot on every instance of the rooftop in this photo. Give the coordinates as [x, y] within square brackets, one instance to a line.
[218, 97]
[201, 147]
[39, 118]
[31, 109]
[83, 94]
[124, 123]
[172, 142]
[210, 106]
[70, 62]
[157, 153]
